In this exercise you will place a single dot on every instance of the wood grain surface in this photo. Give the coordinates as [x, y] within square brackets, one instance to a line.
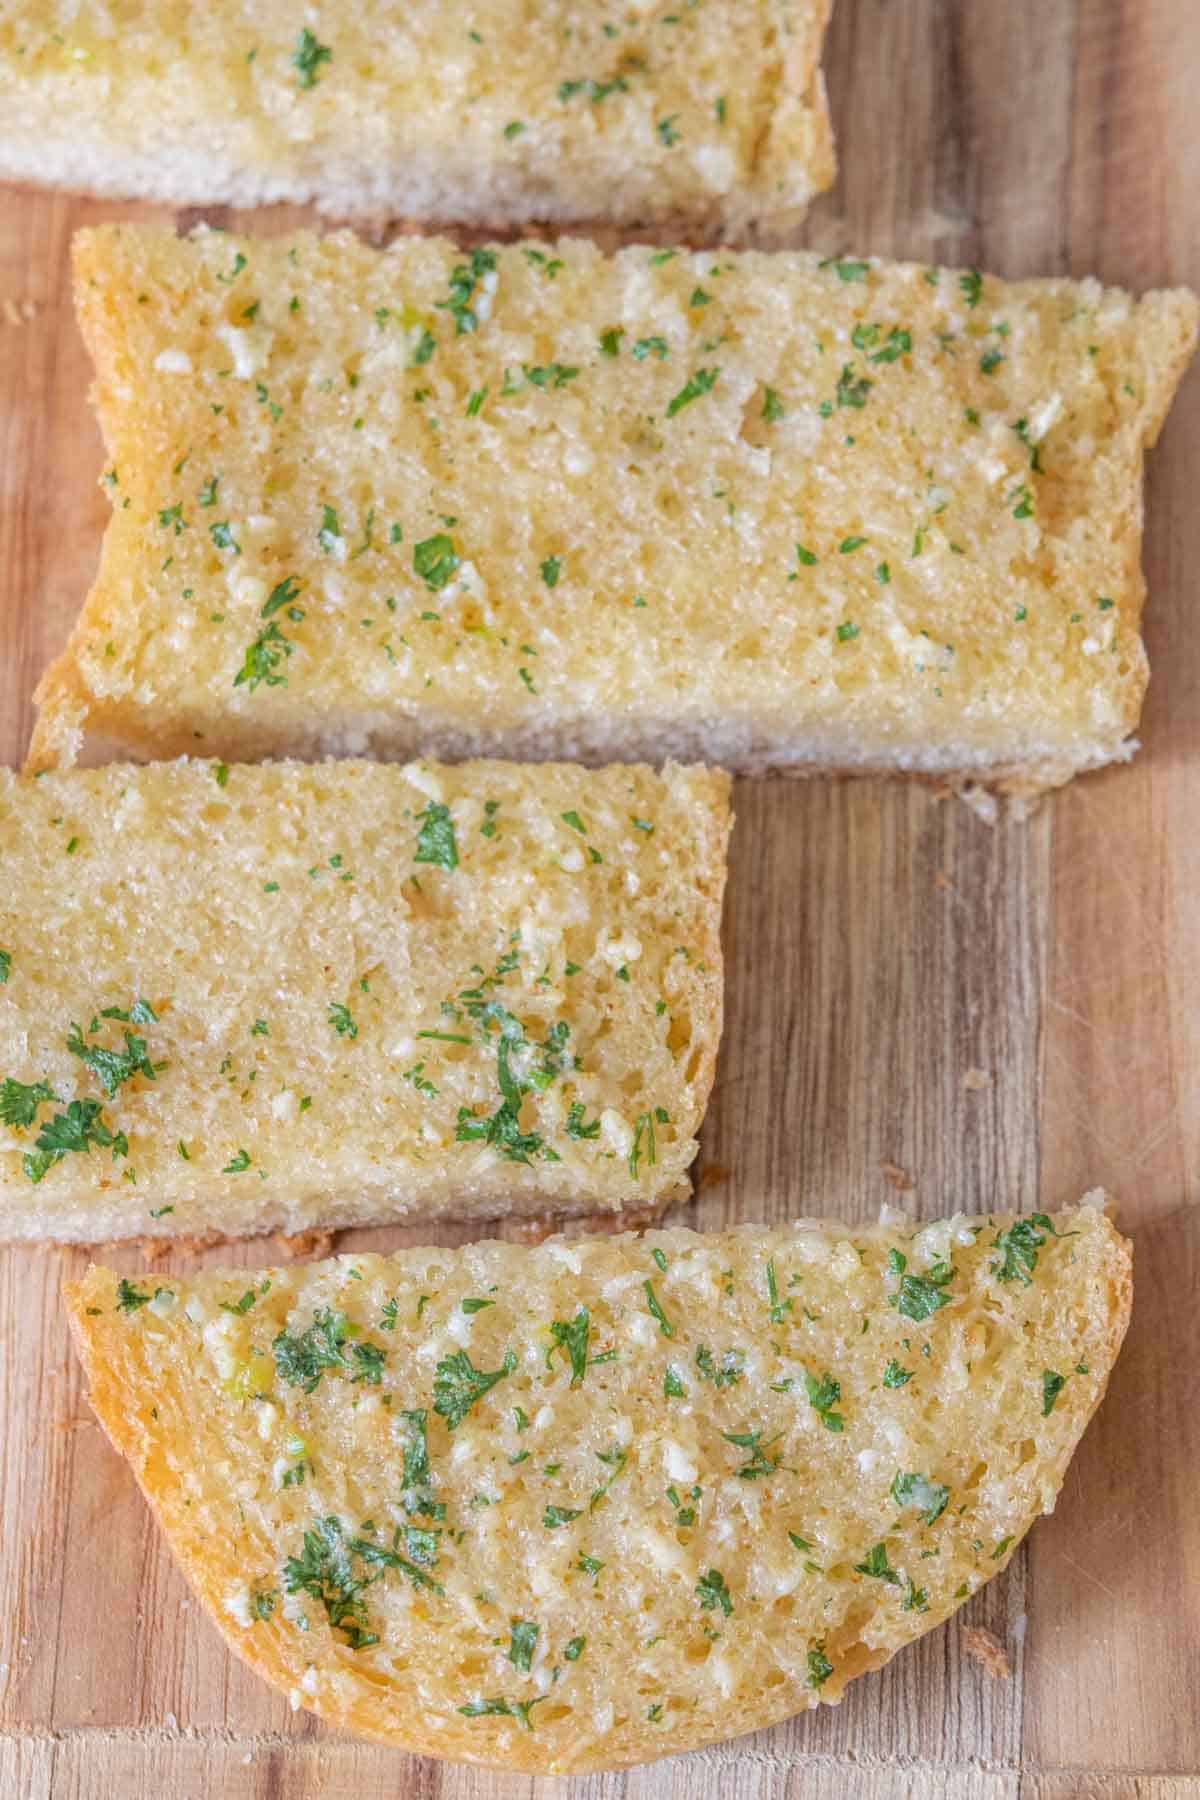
[882, 941]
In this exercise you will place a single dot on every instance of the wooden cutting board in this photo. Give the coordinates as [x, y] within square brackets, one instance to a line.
[882, 943]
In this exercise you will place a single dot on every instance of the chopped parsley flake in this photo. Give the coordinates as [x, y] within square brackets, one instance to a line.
[577, 1126]
[556, 1516]
[1019, 1246]
[777, 1306]
[971, 287]
[656, 1312]
[435, 559]
[1052, 1386]
[436, 842]
[77, 1128]
[503, 1128]
[464, 278]
[852, 390]
[342, 1020]
[572, 1336]
[919, 1296]
[591, 89]
[759, 1462]
[263, 1602]
[112, 1067]
[894, 1376]
[302, 1358]
[458, 1385]
[844, 269]
[549, 375]
[264, 659]
[823, 1396]
[711, 1591]
[876, 1564]
[500, 1707]
[240, 1306]
[307, 58]
[702, 382]
[417, 1493]
[1034, 448]
[523, 1641]
[724, 1373]
[19, 1101]
[929, 1497]
[898, 344]
[130, 1298]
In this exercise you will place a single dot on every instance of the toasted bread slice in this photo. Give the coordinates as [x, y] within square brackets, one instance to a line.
[271, 998]
[770, 512]
[577, 1506]
[710, 117]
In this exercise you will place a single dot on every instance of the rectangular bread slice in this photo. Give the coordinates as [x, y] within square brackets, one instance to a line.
[708, 119]
[570, 1507]
[769, 511]
[242, 999]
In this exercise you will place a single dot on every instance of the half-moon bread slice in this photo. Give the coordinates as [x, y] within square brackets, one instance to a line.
[247, 998]
[571, 1507]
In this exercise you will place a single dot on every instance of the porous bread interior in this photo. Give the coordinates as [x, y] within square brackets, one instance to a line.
[672, 1516]
[896, 527]
[413, 116]
[325, 1002]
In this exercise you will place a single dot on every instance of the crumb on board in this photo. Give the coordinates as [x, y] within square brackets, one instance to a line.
[304, 1246]
[899, 1178]
[976, 1080]
[540, 1226]
[981, 802]
[712, 1175]
[156, 1250]
[985, 1648]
